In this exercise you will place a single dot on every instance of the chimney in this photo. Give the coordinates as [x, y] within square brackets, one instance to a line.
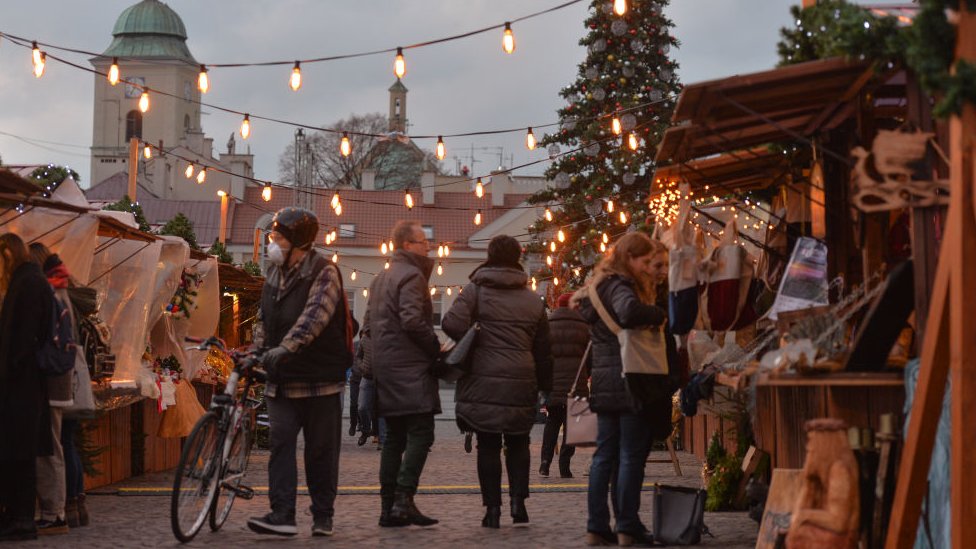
[501, 183]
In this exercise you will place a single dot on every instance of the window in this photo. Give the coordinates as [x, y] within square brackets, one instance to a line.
[429, 232]
[347, 230]
[438, 302]
[133, 125]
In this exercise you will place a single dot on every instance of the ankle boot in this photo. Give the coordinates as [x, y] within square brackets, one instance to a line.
[404, 509]
[493, 515]
[83, 518]
[544, 468]
[71, 513]
[385, 520]
[519, 514]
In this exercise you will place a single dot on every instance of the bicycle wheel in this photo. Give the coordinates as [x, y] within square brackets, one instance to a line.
[197, 475]
[240, 451]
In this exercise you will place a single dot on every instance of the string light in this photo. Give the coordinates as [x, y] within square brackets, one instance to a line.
[440, 269]
[615, 126]
[479, 189]
[345, 147]
[632, 142]
[334, 234]
[36, 55]
[41, 60]
[335, 203]
[386, 265]
[623, 218]
[534, 284]
[113, 72]
[548, 214]
[440, 151]
[549, 261]
[338, 210]
[399, 65]
[555, 281]
[552, 247]
[144, 100]
[610, 206]
[508, 39]
[408, 199]
[530, 139]
[352, 275]
[296, 76]
[335, 257]
[447, 250]
[433, 291]
[202, 176]
[606, 239]
[365, 292]
[620, 7]
[266, 193]
[203, 80]
[448, 290]
[477, 218]
[603, 247]
[246, 126]
[383, 248]
[561, 236]
[189, 171]
[147, 152]
[440, 250]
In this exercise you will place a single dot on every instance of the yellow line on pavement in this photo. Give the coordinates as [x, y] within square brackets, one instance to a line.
[374, 488]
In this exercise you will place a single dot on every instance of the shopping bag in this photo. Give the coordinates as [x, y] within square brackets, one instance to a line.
[84, 398]
[581, 424]
[642, 351]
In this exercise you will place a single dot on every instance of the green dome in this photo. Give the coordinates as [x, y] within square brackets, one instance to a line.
[149, 29]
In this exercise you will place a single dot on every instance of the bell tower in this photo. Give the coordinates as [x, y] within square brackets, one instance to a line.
[398, 107]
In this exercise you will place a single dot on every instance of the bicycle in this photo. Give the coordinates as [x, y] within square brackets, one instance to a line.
[214, 457]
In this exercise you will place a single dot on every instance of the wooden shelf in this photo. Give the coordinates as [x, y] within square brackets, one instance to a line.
[845, 379]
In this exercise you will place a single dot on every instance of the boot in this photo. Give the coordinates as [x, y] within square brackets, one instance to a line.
[385, 520]
[493, 516]
[71, 513]
[83, 519]
[404, 509]
[544, 468]
[353, 423]
[519, 514]
[564, 471]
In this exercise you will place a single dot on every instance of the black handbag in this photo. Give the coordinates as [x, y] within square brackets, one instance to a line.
[679, 515]
[458, 360]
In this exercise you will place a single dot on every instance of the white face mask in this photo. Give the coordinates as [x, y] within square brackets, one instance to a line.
[275, 254]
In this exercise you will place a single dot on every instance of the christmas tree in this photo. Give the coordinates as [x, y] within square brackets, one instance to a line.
[616, 112]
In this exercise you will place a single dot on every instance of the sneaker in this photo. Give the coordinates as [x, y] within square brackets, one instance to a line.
[323, 527]
[273, 524]
[46, 527]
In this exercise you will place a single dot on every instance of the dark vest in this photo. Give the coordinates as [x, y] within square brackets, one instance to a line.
[327, 357]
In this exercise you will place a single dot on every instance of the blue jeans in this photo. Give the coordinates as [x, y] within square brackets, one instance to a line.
[368, 422]
[622, 444]
[73, 471]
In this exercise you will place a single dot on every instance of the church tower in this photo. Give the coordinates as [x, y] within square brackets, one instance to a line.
[149, 40]
[398, 107]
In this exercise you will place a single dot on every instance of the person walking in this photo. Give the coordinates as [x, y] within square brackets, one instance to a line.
[510, 365]
[569, 334]
[355, 378]
[304, 321]
[630, 412]
[25, 324]
[404, 350]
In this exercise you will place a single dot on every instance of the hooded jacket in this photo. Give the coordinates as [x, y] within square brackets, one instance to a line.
[569, 334]
[511, 359]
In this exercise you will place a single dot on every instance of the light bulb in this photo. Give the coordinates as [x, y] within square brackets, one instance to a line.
[606, 239]
[548, 214]
[383, 248]
[477, 218]
[352, 276]
[632, 142]
[296, 76]
[221, 193]
[440, 269]
[345, 147]
[266, 193]
[615, 126]
[338, 210]
[144, 100]
[246, 126]
[335, 257]
[508, 39]
[479, 189]
[440, 250]
[603, 247]
[334, 234]
[529, 140]
[610, 206]
[386, 265]
[335, 200]
[113, 72]
[189, 171]
[561, 236]
[203, 80]
[620, 7]
[623, 217]
[549, 260]
[408, 199]
[399, 65]
[448, 290]
[147, 152]
[35, 53]
[534, 284]
[440, 151]
[40, 61]
[365, 292]
[552, 247]
[555, 281]
[433, 290]
[447, 250]
[202, 176]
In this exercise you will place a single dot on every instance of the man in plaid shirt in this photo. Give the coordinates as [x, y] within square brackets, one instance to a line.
[305, 325]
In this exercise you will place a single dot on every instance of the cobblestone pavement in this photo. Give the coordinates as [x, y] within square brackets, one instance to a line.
[136, 513]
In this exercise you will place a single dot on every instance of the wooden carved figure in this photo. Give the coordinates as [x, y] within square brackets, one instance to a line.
[826, 513]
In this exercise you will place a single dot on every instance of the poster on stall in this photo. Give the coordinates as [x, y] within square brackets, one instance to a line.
[804, 283]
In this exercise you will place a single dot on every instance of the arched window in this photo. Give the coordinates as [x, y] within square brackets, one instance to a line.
[133, 125]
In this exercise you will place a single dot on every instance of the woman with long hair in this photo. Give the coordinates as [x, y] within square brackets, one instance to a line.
[632, 410]
[25, 324]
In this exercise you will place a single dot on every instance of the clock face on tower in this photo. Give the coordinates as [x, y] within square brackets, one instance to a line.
[134, 86]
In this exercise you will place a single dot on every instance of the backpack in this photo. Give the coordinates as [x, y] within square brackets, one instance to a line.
[95, 337]
[57, 353]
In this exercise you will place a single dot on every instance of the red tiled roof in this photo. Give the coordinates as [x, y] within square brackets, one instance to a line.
[374, 213]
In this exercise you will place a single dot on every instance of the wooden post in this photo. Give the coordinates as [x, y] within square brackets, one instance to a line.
[949, 348]
[257, 245]
[133, 166]
[223, 216]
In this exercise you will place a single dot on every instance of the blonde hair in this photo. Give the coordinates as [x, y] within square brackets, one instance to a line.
[617, 262]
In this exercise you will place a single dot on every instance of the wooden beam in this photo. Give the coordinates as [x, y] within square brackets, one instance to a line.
[133, 166]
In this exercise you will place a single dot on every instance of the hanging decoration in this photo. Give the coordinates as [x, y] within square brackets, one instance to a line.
[184, 299]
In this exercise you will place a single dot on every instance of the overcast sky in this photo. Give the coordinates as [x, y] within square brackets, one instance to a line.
[462, 86]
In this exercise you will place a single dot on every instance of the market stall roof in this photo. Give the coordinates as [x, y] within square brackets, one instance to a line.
[754, 109]
[748, 169]
[236, 278]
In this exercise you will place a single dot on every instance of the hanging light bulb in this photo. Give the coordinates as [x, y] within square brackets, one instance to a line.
[189, 171]
[338, 210]
[36, 54]
[623, 218]
[113, 72]
[603, 247]
[440, 250]
[477, 218]
[552, 247]
[365, 292]
[352, 275]
[40, 61]
[328, 239]
[440, 269]
[335, 200]
[433, 291]
[632, 142]
[246, 126]
[383, 248]
[610, 206]
[448, 290]
[561, 236]
[147, 152]
[203, 80]
[334, 234]
[266, 193]
[408, 199]
[548, 214]
[440, 151]
[386, 265]
[296, 76]
[555, 281]
[615, 126]
[534, 284]
[479, 189]
[144, 100]
[202, 176]
[549, 260]
[390, 246]
[335, 257]
[530, 140]
[447, 250]
[620, 7]
[606, 239]
[508, 39]
[345, 147]
[399, 65]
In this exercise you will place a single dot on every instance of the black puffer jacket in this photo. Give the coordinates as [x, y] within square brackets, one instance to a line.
[511, 360]
[569, 334]
[402, 344]
[648, 395]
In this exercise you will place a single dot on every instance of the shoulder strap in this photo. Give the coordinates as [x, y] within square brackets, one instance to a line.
[579, 372]
[601, 310]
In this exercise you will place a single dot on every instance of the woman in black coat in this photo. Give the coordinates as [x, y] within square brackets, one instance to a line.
[25, 433]
[511, 363]
[632, 410]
